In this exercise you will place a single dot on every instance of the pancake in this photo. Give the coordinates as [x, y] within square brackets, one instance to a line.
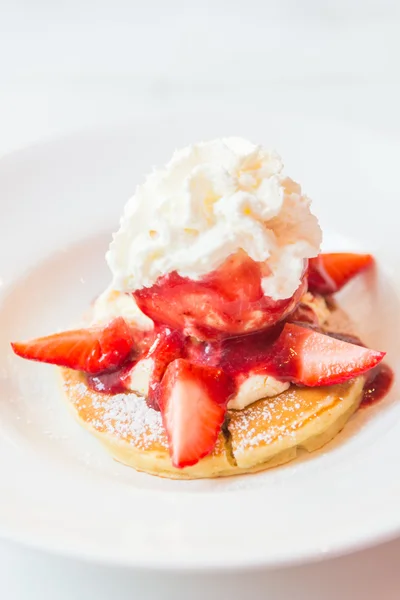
[275, 429]
[133, 433]
[265, 434]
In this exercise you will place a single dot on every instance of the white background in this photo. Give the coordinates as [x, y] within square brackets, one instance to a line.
[68, 65]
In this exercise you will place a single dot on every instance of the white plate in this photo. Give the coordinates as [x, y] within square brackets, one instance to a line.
[58, 489]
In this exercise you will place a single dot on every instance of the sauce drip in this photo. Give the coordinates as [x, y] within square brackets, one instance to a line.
[237, 357]
[227, 302]
[379, 381]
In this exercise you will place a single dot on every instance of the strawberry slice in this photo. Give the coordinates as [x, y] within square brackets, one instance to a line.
[94, 350]
[143, 374]
[302, 355]
[168, 346]
[193, 402]
[328, 273]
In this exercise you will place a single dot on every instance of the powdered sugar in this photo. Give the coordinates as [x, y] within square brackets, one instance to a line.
[272, 420]
[125, 416]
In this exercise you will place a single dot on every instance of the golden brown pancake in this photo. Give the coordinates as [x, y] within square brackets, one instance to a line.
[265, 434]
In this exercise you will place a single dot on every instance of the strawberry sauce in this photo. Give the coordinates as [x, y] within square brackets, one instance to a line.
[225, 322]
[249, 353]
[259, 353]
[235, 356]
[379, 381]
[227, 302]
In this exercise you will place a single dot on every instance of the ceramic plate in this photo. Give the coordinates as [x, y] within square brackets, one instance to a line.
[59, 202]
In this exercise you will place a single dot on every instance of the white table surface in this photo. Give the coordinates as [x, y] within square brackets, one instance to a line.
[77, 65]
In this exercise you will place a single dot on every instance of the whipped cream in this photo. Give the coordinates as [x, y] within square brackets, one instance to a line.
[111, 304]
[210, 201]
[256, 387]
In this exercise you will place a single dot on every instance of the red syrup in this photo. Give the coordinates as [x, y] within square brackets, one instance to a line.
[227, 302]
[379, 381]
[111, 383]
[236, 356]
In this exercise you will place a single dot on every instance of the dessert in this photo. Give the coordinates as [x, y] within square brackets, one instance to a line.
[218, 347]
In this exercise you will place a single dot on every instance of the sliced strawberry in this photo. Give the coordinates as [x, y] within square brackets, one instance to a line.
[144, 374]
[94, 350]
[193, 402]
[328, 273]
[302, 355]
[168, 346]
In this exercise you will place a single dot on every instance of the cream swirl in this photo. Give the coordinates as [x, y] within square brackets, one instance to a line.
[210, 201]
